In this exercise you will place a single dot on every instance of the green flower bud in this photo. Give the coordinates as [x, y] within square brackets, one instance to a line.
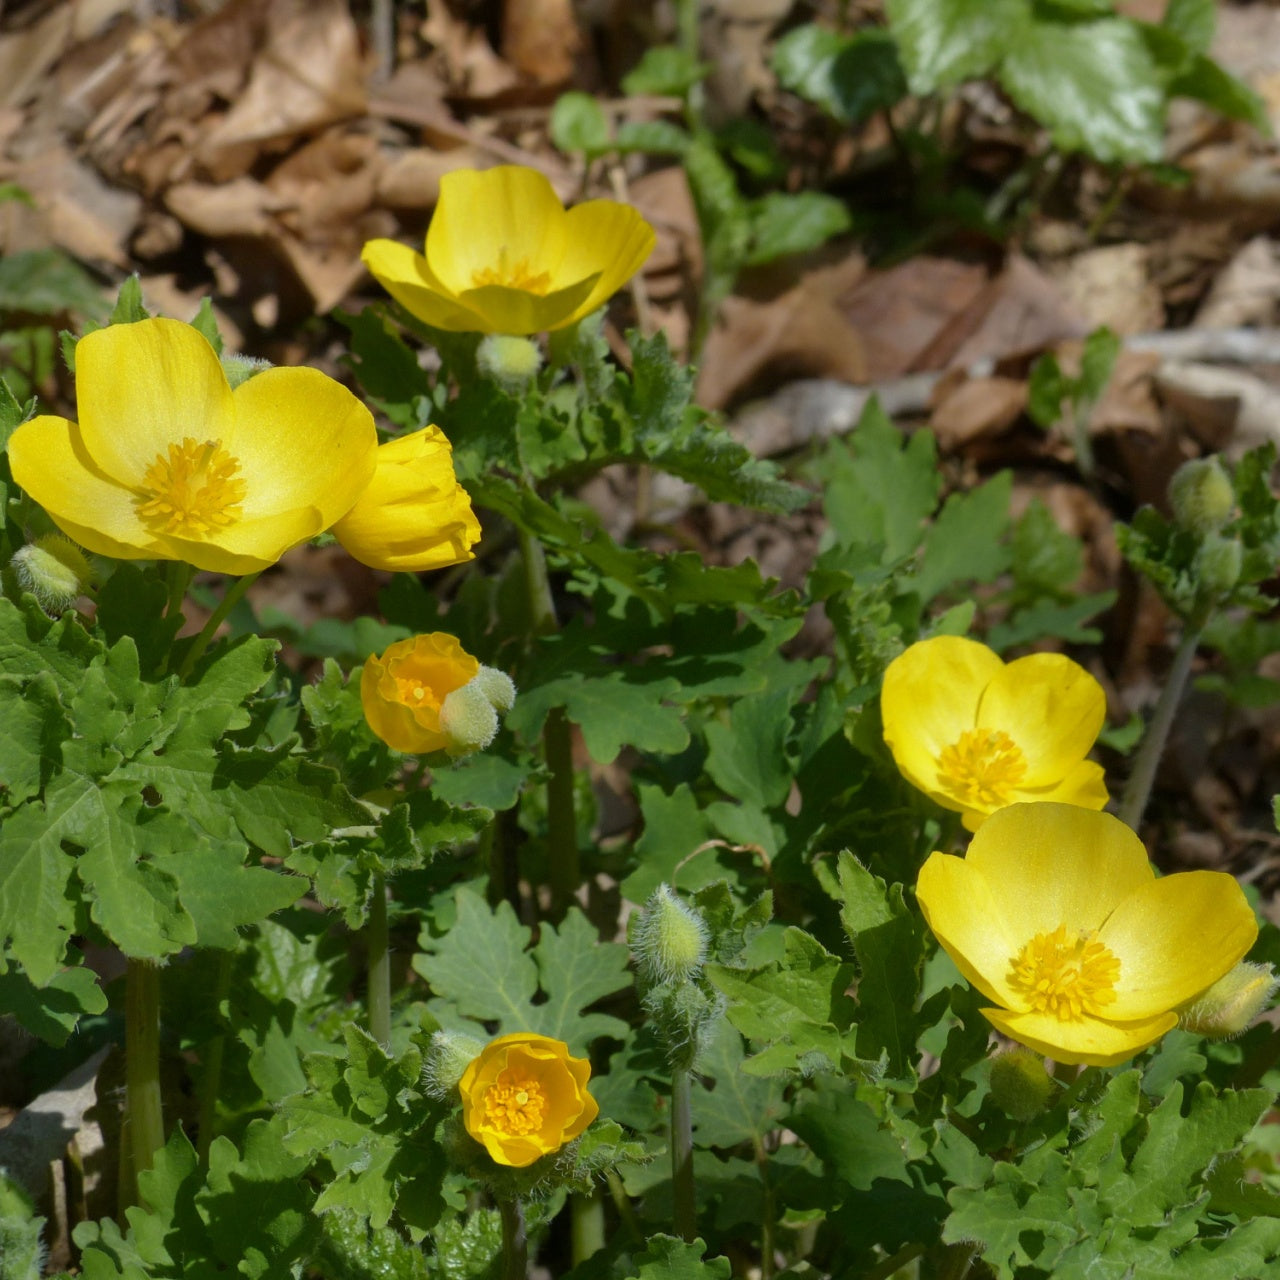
[1217, 564]
[241, 368]
[1230, 1006]
[54, 570]
[497, 686]
[467, 719]
[512, 363]
[22, 1253]
[1020, 1086]
[1201, 495]
[670, 940]
[448, 1055]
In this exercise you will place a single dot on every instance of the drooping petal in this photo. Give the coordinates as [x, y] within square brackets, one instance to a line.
[961, 910]
[930, 697]
[1089, 1041]
[496, 226]
[1084, 785]
[406, 276]
[141, 387]
[517, 312]
[1051, 707]
[1057, 864]
[604, 238]
[1174, 937]
[49, 461]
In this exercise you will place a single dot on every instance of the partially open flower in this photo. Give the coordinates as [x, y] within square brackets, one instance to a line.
[404, 689]
[414, 515]
[504, 256]
[1056, 915]
[167, 462]
[976, 734]
[525, 1096]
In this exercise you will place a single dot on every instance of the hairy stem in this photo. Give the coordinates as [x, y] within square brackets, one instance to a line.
[143, 1115]
[211, 1084]
[376, 939]
[235, 593]
[682, 1186]
[515, 1241]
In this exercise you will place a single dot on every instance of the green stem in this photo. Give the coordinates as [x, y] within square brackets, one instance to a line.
[563, 866]
[376, 938]
[142, 1064]
[685, 1217]
[586, 1226]
[234, 594]
[767, 1213]
[622, 1202]
[1147, 760]
[515, 1241]
[178, 575]
[211, 1085]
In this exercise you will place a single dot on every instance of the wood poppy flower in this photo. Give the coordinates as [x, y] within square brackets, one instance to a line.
[975, 733]
[524, 1096]
[503, 255]
[404, 690]
[1056, 916]
[167, 462]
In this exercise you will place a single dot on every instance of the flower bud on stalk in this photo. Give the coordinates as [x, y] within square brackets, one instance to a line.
[1020, 1086]
[671, 939]
[1230, 1006]
[512, 363]
[448, 1055]
[1217, 564]
[1201, 495]
[54, 570]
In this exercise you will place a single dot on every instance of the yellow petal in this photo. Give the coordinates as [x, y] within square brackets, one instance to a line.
[406, 276]
[1051, 707]
[495, 226]
[608, 239]
[518, 312]
[961, 910]
[1090, 1041]
[141, 387]
[49, 462]
[930, 697]
[1174, 937]
[1057, 864]
[1084, 785]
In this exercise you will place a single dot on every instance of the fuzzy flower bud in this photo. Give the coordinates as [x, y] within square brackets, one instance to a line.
[1201, 495]
[54, 570]
[468, 720]
[498, 687]
[1232, 1003]
[512, 363]
[1020, 1086]
[448, 1055]
[670, 941]
[240, 369]
[1217, 564]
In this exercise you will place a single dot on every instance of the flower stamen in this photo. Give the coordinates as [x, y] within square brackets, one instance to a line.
[193, 489]
[512, 275]
[983, 767]
[1072, 976]
[514, 1105]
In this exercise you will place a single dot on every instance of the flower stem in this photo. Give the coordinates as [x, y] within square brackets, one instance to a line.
[235, 593]
[563, 866]
[142, 1066]
[211, 1084]
[622, 1202]
[586, 1226]
[376, 939]
[1138, 790]
[685, 1217]
[178, 577]
[515, 1241]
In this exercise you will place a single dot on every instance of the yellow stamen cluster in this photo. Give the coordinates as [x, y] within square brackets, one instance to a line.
[192, 489]
[1066, 974]
[513, 275]
[983, 767]
[515, 1106]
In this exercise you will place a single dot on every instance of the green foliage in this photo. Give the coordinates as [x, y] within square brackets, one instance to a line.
[21, 1248]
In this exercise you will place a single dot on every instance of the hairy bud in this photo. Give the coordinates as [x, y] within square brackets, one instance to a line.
[468, 720]
[512, 363]
[1217, 564]
[670, 941]
[1020, 1086]
[241, 368]
[497, 686]
[1201, 495]
[1232, 1003]
[448, 1055]
[54, 570]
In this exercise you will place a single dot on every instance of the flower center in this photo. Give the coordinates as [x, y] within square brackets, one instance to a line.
[513, 275]
[513, 1105]
[415, 693]
[193, 489]
[982, 767]
[1069, 976]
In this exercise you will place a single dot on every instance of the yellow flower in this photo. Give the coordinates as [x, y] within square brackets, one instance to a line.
[524, 1097]
[414, 515]
[503, 255]
[976, 734]
[403, 690]
[1056, 915]
[168, 463]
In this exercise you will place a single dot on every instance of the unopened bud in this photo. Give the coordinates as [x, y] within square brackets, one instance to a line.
[512, 363]
[1232, 1003]
[54, 570]
[241, 368]
[1020, 1086]
[497, 686]
[1217, 564]
[467, 719]
[448, 1055]
[1201, 495]
[670, 941]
